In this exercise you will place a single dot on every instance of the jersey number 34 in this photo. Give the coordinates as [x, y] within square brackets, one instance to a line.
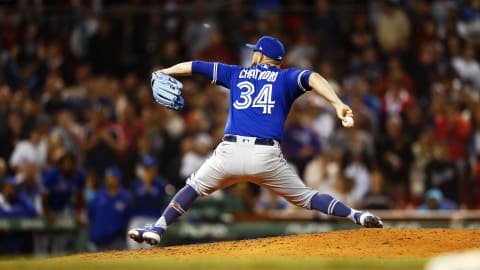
[262, 100]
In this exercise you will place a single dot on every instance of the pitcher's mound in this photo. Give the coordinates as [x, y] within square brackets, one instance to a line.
[360, 243]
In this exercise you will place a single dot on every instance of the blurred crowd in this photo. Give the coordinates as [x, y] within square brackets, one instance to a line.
[81, 136]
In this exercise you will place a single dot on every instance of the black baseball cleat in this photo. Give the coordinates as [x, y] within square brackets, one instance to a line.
[368, 220]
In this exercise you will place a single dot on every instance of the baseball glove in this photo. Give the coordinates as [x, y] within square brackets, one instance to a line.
[167, 90]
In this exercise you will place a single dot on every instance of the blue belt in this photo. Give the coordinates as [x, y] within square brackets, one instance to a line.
[258, 141]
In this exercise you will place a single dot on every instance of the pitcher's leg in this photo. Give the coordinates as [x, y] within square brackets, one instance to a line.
[331, 206]
[209, 177]
[327, 204]
[181, 202]
[285, 182]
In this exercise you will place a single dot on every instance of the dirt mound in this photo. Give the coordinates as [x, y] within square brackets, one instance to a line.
[361, 243]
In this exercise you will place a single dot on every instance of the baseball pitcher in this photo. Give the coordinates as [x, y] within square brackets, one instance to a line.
[260, 99]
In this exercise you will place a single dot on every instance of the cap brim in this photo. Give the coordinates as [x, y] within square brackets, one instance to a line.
[251, 46]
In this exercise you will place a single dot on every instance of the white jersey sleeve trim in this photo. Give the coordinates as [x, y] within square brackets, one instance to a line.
[215, 70]
[299, 81]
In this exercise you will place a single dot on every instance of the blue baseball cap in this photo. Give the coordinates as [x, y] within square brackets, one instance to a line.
[434, 194]
[149, 161]
[114, 171]
[269, 46]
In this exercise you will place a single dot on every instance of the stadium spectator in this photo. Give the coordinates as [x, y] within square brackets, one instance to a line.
[30, 186]
[217, 50]
[315, 174]
[149, 196]
[133, 128]
[12, 202]
[327, 69]
[104, 140]
[233, 16]
[154, 35]
[67, 132]
[361, 36]
[393, 29]
[323, 121]
[422, 155]
[13, 205]
[171, 53]
[342, 189]
[356, 168]
[53, 96]
[268, 202]
[435, 201]
[62, 184]
[197, 30]
[109, 213]
[468, 68]
[420, 13]
[395, 74]
[366, 108]
[196, 154]
[394, 156]
[397, 99]
[300, 141]
[11, 66]
[427, 36]
[62, 197]
[322, 172]
[469, 21]
[355, 140]
[368, 65]
[33, 150]
[103, 49]
[442, 173]
[302, 52]
[323, 25]
[377, 197]
[30, 190]
[414, 124]
[364, 89]
[452, 128]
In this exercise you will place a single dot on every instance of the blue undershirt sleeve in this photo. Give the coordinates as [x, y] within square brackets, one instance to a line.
[218, 73]
[203, 68]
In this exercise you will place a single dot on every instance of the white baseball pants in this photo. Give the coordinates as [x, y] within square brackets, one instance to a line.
[264, 165]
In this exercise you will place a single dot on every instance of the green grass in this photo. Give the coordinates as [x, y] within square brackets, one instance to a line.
[197, 264]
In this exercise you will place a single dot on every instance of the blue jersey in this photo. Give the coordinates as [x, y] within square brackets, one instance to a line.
[19, 207]
[148, 203]
[109, 216]
[260, 96]
[61, 190]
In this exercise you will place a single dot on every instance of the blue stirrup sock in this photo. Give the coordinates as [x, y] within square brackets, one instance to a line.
[180, 203]
[328, 205]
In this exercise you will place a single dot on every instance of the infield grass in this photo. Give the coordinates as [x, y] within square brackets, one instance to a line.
[196, 264]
